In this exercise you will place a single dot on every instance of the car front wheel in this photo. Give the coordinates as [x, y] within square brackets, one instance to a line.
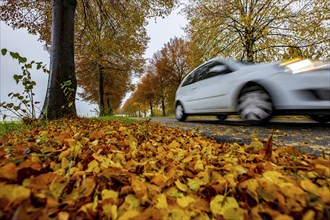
[321, 118]
[255, 104]
[179, 112]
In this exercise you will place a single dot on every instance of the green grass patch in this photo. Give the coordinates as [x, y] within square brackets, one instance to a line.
[6, 127]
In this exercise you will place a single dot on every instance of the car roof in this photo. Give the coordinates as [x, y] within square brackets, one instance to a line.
[231, 62]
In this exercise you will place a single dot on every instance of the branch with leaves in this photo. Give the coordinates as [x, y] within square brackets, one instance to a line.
[27, 105]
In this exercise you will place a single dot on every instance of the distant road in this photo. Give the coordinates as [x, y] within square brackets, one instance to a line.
[309, 136]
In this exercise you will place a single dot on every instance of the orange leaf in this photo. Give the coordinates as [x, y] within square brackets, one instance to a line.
[8, 171]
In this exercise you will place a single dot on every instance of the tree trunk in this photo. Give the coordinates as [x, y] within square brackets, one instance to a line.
[163, 107]
[249, 44]
[151, 111]
[101, 90]
[108, 108]
[62, 83]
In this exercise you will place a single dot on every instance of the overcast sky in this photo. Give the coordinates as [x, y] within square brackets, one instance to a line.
[160, 31]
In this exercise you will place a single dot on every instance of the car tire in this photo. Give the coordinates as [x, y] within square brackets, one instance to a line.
[321, 118]
[222, 117]
[179, 112]
[255, 104]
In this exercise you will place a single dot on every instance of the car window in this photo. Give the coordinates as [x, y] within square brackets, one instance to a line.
[189, 79]
[212, 69]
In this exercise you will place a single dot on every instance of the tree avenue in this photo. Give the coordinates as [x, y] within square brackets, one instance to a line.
[105, 40]
[93, 23]
[246, 30]
[163, 75]
[258, 31]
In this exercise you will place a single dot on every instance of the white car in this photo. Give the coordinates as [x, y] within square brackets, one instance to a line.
[256, 91]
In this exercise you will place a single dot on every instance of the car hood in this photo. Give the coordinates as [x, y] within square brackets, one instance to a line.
[266, 67]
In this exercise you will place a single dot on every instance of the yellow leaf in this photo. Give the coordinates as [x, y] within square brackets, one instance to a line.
[131, 202]
[110, 211]
[290, 190]
[219, 204]
[104, 161]
[310, 214]
[255, 146]
[234, 213]
[161, 202]
[322, 170]
[283, 217]
[90, 208]
[173, 192]
[216, 204]
[12, 195]
[203, 177]
[63, 215]
[194, 184]
[93, 166]
[109, 194]
[251, 185]
[173, 144]
[129, 214]
[309, 186]
[82, 191]
[64, 154]
[185, 201]
[176, 213]
[273, 176]
[241, 170]
[181, 186]
[57, 186]
[199, 166]
[76, 148]
[324, 193]
[64, 163]
[139, 188]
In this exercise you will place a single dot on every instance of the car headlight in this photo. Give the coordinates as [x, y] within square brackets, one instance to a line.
[301, 65]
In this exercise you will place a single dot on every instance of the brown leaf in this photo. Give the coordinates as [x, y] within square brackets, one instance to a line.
[30, 164]
[139, 188]
[96, 135]
[268, 148]
[8, 171]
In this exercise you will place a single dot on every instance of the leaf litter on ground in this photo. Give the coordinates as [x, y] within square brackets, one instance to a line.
[93, 169]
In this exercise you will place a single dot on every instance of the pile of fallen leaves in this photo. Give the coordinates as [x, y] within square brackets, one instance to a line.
[91, 169]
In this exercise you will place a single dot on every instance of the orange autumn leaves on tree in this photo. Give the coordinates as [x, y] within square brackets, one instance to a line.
[104, 169]
[165, 71]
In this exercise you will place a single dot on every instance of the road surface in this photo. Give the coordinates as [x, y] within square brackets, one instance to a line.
[309, 136]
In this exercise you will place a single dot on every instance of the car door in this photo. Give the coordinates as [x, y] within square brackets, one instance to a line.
[189, 90]
[186, 91]
[211, 88]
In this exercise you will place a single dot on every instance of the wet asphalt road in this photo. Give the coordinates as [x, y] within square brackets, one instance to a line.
[309, 136]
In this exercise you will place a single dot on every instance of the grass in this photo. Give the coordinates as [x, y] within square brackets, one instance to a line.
[6, 127]
[9, 126]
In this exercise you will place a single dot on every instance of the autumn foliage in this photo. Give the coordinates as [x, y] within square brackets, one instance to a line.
[162, 76]
[93, 169]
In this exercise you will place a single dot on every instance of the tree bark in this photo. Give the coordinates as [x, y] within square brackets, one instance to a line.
[249, 44]
[108, 108]
[101, 90]
[163, 106]
[62, 83]
[151, 111]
